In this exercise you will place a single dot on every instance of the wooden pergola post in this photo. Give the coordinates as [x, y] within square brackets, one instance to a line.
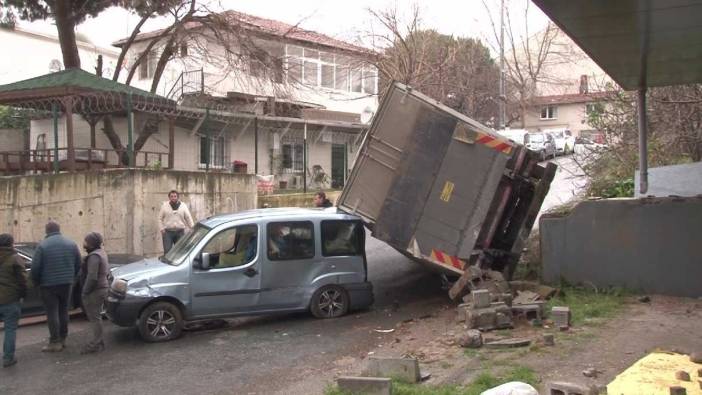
[171, 143]
[68, 104]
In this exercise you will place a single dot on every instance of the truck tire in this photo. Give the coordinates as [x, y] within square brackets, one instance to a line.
[330, 301]
[160, 322]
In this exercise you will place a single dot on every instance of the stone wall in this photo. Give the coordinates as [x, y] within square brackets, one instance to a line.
[293, 199]
[647, 245]
[123, 205]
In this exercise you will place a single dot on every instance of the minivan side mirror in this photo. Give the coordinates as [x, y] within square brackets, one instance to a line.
[204, 261]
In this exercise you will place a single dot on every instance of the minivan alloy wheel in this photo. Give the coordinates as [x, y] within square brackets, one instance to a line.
[160, 323]
[330, 302]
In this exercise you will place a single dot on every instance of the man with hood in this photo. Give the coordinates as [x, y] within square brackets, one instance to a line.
[93, 275]
[54, 268]
[13, 287]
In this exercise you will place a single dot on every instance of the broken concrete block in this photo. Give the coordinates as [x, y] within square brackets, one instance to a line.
[561, 316]
[682, 375]
[548, 339]
[406, 369]
[503, 321]
[481, 298]
[508, 343]
[676, 390]
[365, 385]
[563, 388]
[461, 311]
[471, 339]
[481, 318]
[532, 311]
[696, 357]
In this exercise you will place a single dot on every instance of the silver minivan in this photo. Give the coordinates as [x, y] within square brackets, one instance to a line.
[252, 262]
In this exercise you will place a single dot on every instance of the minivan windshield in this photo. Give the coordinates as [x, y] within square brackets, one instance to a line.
[180, 250]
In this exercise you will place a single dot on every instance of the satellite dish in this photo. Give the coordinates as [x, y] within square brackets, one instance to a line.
[55, 65]
[367, 115]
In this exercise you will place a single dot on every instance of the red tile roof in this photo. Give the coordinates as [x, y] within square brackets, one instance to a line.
[272, 27]
[572, 98]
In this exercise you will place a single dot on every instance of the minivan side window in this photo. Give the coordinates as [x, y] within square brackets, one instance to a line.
[233, 247]
[290, 240]
[342, 238]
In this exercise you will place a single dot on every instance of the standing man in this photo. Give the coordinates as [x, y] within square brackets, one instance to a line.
[173, 219]
[55, 265]
[320, 200]
[93, 275]
[13, 287]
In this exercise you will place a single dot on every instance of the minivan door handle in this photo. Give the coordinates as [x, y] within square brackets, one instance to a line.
[250, 272]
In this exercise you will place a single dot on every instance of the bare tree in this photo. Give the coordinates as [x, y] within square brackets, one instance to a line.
[456, 71]
[530, 59]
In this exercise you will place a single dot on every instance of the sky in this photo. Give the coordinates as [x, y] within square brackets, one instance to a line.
[344, 19]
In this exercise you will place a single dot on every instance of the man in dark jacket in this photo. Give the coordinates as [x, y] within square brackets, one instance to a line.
[320, 200]
[93, 275]
[55, 265]
[13, 287]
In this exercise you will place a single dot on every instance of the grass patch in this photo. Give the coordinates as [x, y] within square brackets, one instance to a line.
[483, 382]
[588, 305]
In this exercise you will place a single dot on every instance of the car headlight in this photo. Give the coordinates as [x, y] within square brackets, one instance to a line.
[119, 286]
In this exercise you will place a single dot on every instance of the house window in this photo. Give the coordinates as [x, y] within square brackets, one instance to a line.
[266, 60]
[183, 50]
[370, 76]
[593, 109]
[341, 74]
[294, 64]
[147, 66]
[293, 158]
[357, 79]
[549, 112]
[212, 151]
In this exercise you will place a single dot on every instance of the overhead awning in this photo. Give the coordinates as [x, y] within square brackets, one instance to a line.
[639, 43]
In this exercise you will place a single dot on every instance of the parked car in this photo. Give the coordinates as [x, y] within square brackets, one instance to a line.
[516, 135]
[32, 304]
[543, 143]
[308, 260]
[563, 140]
[585, 146]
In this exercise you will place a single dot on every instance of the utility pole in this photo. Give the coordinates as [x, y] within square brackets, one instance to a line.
[503, 98]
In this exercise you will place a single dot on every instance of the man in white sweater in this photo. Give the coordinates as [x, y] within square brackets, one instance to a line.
[174, 218]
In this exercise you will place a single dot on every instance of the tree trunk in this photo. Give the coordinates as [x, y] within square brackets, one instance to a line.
[65, 25]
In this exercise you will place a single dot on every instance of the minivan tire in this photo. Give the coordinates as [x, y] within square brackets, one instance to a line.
[330, 301]
[160, 322]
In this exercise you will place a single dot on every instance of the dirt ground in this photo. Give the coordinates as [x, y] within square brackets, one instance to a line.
[609, 346]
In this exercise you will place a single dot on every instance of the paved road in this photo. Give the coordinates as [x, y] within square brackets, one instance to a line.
[261, 355]
[569, 182]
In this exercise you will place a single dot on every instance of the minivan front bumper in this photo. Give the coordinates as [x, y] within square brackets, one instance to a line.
[124, 310]
[360, 295]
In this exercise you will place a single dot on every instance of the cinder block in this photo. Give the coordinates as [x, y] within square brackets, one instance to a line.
[563, 388]
[481, 298]
[561, 316]
[365, 385]
[406, 369]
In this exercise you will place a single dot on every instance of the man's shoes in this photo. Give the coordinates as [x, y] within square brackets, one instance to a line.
[92, 348]
[52, 347]
[7, 363]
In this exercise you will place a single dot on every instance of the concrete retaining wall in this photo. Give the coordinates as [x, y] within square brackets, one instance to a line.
[651, 245]
[123, 205]
[293, 199]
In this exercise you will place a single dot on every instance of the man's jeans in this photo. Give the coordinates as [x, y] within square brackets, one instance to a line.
[170, 237]
[55, 299]
[9, 314]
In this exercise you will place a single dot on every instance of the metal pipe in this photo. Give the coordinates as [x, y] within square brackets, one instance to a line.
[130, 131]
[502, 115]
[304, 160]
[255, 145]
[643, 131]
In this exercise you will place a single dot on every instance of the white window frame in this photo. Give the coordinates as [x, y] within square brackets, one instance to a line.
[203, 165]
[549, 112]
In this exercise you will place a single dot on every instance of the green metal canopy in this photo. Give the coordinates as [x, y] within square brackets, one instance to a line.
[70, 82]
[639, 43]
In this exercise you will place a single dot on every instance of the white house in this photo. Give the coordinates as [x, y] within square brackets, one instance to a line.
[298, 118]
[27, 53]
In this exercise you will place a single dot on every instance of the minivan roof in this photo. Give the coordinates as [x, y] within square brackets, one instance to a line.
[283, 212]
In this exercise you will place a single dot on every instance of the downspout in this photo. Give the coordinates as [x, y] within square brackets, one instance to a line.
[641, 104]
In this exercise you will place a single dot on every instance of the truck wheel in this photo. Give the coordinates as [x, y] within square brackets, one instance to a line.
[329, 302]
[160, 322]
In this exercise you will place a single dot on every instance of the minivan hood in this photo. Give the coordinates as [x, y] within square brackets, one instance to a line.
[136, 269]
